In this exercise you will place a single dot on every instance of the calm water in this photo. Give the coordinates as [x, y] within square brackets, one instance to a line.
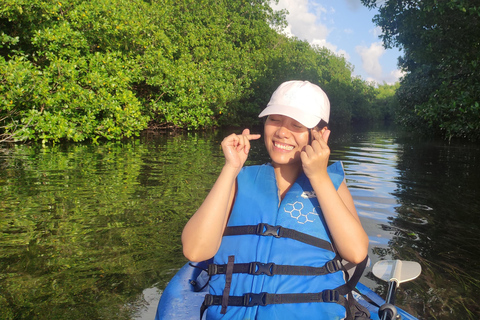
[93, 232]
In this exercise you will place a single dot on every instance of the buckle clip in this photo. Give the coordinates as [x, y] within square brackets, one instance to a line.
[264, 229]
[330, 296]
[332, 266]
[208, 300]
[258, 268]
[212, 269]
[255, 299]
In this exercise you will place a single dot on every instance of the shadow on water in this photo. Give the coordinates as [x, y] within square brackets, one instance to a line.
[93, 232]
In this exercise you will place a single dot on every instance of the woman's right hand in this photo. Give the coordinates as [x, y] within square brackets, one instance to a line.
[236, 148]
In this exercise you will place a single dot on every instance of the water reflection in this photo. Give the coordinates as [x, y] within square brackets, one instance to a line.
[439, 186]
[419, 201]
[85, 229]
[94, 231]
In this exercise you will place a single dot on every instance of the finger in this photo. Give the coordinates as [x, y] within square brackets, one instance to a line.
[326, 135]
[230, 140]
[316, 135]
[308, 152]
[246, 143]
[240, 142]
[247, 137]
[254, 136]
[304, 156]
[233, 141]
[319, 138]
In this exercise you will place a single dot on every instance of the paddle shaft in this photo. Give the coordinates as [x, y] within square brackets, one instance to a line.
[392, 287]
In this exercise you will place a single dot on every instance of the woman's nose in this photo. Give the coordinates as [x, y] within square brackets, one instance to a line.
[283, 132]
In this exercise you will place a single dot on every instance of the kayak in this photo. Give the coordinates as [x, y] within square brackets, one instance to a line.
[179, 301]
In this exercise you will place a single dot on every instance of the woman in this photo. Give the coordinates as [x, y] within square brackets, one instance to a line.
[298, 195]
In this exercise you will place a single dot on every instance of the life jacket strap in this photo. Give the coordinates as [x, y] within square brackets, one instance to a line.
[263, 299]
[349, 286]
[270, 269]
[264, 229]
[228, 284]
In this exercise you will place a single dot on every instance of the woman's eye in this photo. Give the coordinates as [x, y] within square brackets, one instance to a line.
[299, 126]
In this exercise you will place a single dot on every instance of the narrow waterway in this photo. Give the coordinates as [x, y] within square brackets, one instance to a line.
[93, 231]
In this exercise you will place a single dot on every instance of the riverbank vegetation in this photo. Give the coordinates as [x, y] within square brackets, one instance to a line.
[80, 70]
[441, 57]
[83, 70]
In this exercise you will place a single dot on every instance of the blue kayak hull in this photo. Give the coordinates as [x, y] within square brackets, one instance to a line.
[179, 301]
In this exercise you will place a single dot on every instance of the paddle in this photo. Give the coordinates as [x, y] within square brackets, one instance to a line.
[394, 272]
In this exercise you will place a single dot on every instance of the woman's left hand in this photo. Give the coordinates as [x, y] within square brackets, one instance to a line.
[315, 156]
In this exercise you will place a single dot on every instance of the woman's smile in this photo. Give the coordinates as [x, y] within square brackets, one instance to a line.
[283, 146]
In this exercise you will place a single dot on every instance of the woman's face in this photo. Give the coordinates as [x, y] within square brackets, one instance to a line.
[285, 139]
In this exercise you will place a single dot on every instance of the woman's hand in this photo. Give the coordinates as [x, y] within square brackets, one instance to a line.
[236, 148]
[315, 156]
[337, 206]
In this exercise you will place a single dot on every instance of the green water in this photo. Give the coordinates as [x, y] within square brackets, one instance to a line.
[93, 232]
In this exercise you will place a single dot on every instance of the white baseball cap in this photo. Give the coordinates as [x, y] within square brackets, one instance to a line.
[302, 101]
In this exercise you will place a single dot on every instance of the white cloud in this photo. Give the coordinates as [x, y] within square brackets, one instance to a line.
[390, 78]
[331, 47]
[371, 64]
[308, 20]
[304, 21]
[354, 5]
[371, 58]
[322, 43]
[394, 76]
[376, 32]
[343, 53]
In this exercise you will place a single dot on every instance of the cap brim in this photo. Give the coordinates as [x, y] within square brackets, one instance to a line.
[307, 120]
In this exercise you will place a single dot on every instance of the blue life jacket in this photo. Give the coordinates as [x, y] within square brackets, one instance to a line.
[276, 260]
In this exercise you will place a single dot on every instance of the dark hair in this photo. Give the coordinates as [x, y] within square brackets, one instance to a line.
[322, 124]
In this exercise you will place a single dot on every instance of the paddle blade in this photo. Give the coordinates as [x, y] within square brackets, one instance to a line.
[397, 270]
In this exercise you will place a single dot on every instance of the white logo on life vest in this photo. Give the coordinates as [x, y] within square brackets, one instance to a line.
[308, 194]
[295, 210]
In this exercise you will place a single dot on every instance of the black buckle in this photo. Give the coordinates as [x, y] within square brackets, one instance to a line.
[330, 296]
[264, 229]
[214, 269]
[333, 266]
[255, 299]
[258, 268]
[208, 300]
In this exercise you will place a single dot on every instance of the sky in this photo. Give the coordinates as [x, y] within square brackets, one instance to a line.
[346, 28]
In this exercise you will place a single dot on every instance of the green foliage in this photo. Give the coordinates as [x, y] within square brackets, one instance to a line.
[58, 88]
[77, 70]
[386, 103]
[441, 44]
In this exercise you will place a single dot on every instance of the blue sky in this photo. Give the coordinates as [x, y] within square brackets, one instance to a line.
[346, 28]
